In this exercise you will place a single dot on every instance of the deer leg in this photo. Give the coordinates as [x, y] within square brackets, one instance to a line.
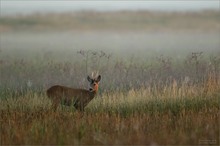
[55, 104]
[77, 105]
[81, 108]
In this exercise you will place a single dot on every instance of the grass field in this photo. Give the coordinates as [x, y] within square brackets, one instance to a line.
[160, 78]
[157, 110]
[173, 115]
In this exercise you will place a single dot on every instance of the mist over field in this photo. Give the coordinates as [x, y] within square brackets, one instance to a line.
[137, 33]
[160, 76]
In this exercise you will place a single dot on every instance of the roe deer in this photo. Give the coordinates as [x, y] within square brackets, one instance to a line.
[79, 98]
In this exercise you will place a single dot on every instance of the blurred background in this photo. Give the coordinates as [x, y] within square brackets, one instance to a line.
[131, 43]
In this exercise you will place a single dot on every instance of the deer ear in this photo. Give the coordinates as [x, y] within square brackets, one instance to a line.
[98, 78]
[89, 79]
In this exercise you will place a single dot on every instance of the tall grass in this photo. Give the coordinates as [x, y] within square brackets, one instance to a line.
[156, 104]
[170, 114]
[21, 75]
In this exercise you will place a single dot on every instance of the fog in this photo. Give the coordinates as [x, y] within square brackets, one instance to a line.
[132, 32]
[143, 45]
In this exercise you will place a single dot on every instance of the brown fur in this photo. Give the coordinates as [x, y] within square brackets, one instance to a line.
[79, 98]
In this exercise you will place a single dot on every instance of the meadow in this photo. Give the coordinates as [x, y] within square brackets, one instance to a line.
[160, 78]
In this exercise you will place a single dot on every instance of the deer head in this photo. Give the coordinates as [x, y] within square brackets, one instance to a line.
[94, 82]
